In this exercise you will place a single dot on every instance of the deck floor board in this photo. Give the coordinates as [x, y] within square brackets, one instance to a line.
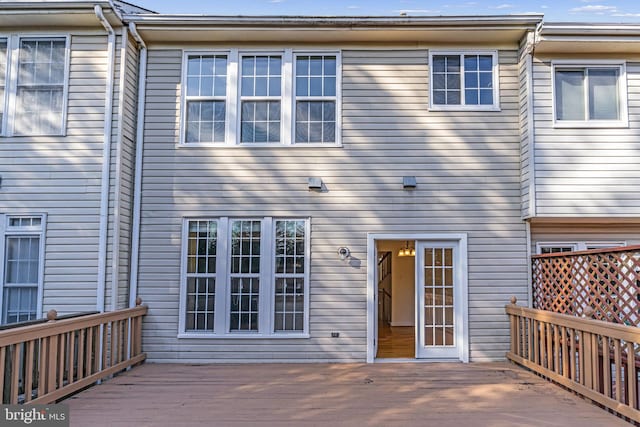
[381, 394]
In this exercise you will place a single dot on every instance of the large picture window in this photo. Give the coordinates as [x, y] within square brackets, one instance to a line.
[245, 277]
[22, 267]
[245, 97]
[589, 94]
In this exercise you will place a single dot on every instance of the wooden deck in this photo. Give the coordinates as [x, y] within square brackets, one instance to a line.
[383, 394]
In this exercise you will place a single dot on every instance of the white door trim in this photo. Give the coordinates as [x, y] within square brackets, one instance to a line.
[372, 315]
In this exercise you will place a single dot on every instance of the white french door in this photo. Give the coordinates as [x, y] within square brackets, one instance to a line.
[439, 300]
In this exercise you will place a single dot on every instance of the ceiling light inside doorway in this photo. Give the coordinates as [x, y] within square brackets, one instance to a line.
[407, 250]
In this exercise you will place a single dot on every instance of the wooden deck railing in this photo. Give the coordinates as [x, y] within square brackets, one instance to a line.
[606, 280]
[46, 362]
[597, 359]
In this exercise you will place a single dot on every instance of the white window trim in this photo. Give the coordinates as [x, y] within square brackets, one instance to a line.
[337, 98]
[183, 95]
[579, 245]
[287, 98]
[623, 122]
[5, 231]
[11, 94]
[463, 107]
[223, 295]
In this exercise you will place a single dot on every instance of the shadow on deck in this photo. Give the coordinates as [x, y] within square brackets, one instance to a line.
[392, 394]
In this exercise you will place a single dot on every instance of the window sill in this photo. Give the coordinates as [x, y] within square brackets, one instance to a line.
[591, 124]
[248, 336]
[465, 108]
[255, 145]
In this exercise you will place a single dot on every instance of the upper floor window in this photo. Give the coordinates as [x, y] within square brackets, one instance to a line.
[589, 95]
[206, 98]
[33, 84]
[315, 98]
[235, 97]
[467, 80]
[22, 267]
[261, 89]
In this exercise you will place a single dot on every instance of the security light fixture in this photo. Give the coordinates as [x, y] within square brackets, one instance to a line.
[314, 183]
[409, 182]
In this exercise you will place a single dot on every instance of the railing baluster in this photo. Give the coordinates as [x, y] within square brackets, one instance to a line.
[42, 374]
[15, 372]
[618, 362]
[89, 352]
[606, 366]
[565, 352]
[632, 379]
[556, 350]
[28, 370]
[3, 355]
[572, 341]
[81, 347]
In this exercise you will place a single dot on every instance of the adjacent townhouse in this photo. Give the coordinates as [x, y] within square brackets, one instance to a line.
[68, 74]
[291, 189]
[580, 137]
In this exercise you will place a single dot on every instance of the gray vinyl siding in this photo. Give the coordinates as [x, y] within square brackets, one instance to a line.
[627, 233]
[525, 139]
[61, 176]
[128, 149]
[467, 165]
[586, 172]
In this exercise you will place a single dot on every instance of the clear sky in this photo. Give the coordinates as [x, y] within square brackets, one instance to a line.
[554, 10]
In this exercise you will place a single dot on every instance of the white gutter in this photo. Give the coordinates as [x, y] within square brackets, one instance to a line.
[115, 253]
[106, 161]
[137, 178]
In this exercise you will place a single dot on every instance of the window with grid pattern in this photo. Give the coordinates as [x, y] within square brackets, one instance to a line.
[22, 261]
[463, 79]
[289, 275]
[40, 86]
[261, 87]
[245, 275]
[201, 275]
[315, 105]
[206, 98]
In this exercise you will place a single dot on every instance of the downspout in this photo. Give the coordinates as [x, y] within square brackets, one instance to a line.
[115, 253]
[106, 160]
[137, 178]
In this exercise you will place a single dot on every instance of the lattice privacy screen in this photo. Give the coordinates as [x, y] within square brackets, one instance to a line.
[605, 280]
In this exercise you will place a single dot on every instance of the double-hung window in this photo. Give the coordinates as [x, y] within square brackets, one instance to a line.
[22, 267]
[315, 89]
[245, 277]
[593, 95]
[464, 80]
[33, 85]
[261, 98]
[206, 98]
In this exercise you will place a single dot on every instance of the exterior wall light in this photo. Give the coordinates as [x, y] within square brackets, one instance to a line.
[344, 253]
